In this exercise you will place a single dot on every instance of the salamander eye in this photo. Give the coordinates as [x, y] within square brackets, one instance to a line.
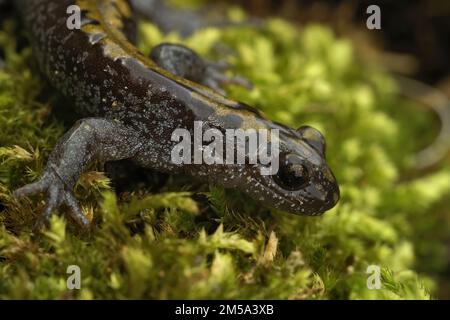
[292, 175]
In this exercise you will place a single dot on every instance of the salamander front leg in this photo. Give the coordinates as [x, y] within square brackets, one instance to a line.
[186, 63]
[90, 139]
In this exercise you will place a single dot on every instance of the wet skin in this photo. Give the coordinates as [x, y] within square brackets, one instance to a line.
[132, 104]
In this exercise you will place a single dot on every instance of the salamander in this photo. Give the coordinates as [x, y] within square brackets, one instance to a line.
[131, 104]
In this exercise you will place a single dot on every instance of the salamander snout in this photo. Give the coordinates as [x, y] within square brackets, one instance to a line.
[303, 183]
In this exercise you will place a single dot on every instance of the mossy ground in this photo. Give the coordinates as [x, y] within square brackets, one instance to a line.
[189, 240]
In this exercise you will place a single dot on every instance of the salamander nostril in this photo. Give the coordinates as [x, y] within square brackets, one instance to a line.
[333, 197]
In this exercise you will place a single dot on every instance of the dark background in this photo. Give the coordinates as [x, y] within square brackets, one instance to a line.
[415, 35]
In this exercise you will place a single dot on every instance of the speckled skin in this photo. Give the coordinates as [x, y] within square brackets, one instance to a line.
[134, 106]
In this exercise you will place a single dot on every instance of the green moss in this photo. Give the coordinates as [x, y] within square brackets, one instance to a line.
[168, 245]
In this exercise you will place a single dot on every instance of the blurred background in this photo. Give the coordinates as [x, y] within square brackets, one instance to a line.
[413, 40]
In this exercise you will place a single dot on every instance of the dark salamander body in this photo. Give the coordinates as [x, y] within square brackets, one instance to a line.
[134, 103]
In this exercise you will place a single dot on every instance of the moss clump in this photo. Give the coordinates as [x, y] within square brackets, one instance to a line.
[193, 241]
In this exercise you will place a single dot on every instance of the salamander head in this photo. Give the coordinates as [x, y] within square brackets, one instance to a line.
[304, 184]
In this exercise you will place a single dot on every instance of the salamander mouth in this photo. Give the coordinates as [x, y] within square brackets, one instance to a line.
[284, 204]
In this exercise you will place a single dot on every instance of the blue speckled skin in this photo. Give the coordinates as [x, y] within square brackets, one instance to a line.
[133, 106]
